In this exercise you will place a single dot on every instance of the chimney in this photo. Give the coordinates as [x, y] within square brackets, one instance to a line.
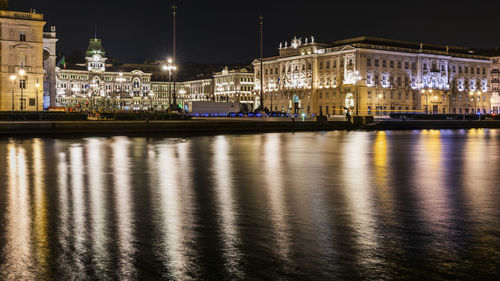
[4, 5]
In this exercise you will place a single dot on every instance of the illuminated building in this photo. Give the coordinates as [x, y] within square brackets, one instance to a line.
[374, 76]
[235, 86]
[495, 84]
[21, 72]
[49, 67]
[97, 85]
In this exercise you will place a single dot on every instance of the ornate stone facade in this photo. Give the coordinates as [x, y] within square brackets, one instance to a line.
[374, 76]
[21, 71]
[96, 85]
[235, 86]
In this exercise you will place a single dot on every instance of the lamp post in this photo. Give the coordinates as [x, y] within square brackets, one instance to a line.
[174, 17]
[13, 79]
[37, 87]
[170, 67]
[22, 84]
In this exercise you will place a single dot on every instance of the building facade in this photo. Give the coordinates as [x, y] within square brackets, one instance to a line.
[49, 67]
[97, 85]
[495, 84]
[21, 70]
[235, 86]
[372, 76]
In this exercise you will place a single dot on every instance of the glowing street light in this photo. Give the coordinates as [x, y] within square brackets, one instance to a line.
[170, 67]
[13, 79]
[22, 84]
[37, 86]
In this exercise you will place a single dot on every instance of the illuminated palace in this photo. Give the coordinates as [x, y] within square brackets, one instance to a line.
[97, 85]
[374, 76]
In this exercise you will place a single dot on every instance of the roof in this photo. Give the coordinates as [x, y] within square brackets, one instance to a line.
[95, 47]
[374, 42]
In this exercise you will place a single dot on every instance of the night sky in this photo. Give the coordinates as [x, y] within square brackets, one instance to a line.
[227, 31]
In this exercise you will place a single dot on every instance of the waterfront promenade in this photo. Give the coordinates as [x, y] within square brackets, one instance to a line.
[216, 126]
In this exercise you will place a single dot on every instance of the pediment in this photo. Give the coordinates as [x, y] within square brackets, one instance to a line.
[348, 48]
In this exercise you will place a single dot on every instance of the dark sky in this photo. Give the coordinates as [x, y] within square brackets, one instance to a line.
[227, 31]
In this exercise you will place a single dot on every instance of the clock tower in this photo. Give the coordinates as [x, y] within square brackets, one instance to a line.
[96, 56]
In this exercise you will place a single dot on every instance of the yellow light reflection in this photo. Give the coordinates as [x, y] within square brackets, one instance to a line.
[17, 252]
[41, 214]
[382, 190]
[122, 188]
[224, 191]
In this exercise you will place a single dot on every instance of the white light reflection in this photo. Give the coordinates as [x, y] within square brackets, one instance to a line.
[430, 185]
[273, 177]
[174, 210]
[64, 227]
[79, 235]
[122, 187]
[224, 191]
[17, 252]
[99, 226]
[358, 194]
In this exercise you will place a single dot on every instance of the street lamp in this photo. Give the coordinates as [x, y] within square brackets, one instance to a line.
[13, 79]
[37, 87]
[170, 67]
[22, 84]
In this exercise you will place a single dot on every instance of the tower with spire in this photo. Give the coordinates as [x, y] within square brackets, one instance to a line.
[96, 56]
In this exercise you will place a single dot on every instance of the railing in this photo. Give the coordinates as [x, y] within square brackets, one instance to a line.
[21, 15]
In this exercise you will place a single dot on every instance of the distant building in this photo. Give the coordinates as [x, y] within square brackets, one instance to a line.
[49, 67]
[374, 76]
[21, 72]
[96, 85]
[235, 86]
[495, 84]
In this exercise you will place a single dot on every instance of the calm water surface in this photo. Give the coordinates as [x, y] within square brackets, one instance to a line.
[419, 205]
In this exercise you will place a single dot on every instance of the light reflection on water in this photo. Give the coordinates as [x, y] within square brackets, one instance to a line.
[307, 206]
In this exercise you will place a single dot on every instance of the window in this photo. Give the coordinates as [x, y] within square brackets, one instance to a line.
[407, 65]
[399, 64]
[459, 69]
[32, 102]
[384, 63]
[368, 62]
[413, 66]
[22, 36]
[376, 63]
[22, 84]
[392, 64]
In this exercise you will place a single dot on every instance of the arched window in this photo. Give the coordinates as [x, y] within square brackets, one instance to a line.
[137, 83]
